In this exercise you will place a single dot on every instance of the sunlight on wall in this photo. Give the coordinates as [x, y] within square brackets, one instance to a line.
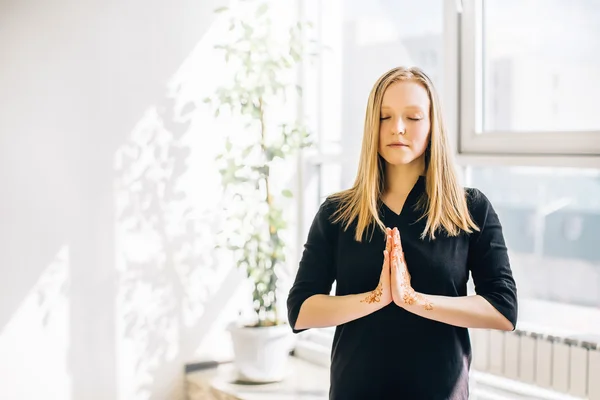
[176, 293]
[165, 194]
[34, 343]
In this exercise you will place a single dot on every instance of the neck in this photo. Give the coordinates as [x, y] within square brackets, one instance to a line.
[400, 179]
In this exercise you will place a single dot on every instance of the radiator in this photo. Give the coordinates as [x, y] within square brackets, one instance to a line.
[508, 365]
[564, 365]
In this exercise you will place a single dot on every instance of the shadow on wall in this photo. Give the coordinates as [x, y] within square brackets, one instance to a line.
[170, 289]
[89, 171]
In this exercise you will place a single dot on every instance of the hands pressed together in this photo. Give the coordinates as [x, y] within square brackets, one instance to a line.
[394, 283]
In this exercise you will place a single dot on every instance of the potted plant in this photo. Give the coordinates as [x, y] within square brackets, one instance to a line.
[262, 95]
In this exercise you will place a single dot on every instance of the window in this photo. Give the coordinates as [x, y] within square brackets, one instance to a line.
[520, 81]
[551, 222]
[530, 77]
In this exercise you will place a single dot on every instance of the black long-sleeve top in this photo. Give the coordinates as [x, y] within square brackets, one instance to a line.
[392, 353]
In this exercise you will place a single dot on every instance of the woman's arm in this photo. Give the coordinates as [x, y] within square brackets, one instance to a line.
[488, 259]
[309, 303]
[319, 310]
[465, 311]
[494, 306]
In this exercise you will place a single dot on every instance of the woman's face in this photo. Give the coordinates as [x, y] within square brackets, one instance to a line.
[404, 123]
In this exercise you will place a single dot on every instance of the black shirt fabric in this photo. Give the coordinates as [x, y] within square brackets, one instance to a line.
[392, 353]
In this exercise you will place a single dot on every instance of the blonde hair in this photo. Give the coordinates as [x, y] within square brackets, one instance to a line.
[445, 204]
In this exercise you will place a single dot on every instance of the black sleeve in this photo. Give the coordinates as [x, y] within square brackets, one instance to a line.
[316, 270]
[488, 258]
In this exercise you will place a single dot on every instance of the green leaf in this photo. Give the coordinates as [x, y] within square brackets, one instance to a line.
[247, 151]
[295, 55]
[220, 10]
[249, 30]
[287, 193]
[262, 9]
[263, 170]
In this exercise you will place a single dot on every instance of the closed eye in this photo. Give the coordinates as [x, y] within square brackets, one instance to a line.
[415, 119]
[384, 118]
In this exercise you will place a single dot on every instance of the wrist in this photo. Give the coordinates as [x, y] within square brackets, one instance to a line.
[375, 299]
[412, 300]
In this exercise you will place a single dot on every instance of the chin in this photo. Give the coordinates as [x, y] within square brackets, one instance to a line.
[402, 162]
[400, 159]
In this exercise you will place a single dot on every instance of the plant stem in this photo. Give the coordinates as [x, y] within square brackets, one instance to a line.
[271, 286]
[263, 145]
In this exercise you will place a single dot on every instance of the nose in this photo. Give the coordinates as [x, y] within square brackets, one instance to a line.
[399, 127]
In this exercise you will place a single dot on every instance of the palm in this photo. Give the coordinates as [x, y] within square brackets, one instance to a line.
[382, 293]
[402, 292]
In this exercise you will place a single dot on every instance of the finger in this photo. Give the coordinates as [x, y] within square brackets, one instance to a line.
[388, 242]
[386, 262]
[395, 258]
[399, 264]
[397, 240]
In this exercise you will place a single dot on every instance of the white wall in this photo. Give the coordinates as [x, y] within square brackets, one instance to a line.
[104, 243]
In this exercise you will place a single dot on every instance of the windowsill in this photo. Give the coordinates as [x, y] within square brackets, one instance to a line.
[304, 381]
[486, 386]
[559, 319]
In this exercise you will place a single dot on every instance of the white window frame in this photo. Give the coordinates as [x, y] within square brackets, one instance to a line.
[463, 96]
[546, 149]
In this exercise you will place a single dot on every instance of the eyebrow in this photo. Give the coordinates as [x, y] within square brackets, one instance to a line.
[419, 108]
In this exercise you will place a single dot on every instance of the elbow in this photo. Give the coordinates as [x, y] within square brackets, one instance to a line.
[296, 318]
[299, 327]
[502, 323]
[505, 325]
[497, 323]
[501, 311]
[301, 323]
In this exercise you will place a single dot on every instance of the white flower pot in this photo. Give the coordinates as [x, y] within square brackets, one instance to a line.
[261, 354]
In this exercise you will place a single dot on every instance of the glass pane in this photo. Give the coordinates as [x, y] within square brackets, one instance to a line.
[364, 40]
[541, 65]
[330, 180]
[551, 222]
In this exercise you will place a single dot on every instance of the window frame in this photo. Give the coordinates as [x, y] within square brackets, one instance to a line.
[464, 94]
[469, 148]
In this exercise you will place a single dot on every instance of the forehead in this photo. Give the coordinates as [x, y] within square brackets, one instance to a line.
[405, 94]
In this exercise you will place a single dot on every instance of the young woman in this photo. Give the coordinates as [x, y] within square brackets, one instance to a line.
[400, 244]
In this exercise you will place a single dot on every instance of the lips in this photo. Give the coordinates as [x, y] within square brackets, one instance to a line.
[397, 145]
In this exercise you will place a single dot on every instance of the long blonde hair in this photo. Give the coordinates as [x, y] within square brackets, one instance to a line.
[445, 204]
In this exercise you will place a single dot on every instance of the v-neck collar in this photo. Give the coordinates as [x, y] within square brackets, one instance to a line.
[417, 189]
